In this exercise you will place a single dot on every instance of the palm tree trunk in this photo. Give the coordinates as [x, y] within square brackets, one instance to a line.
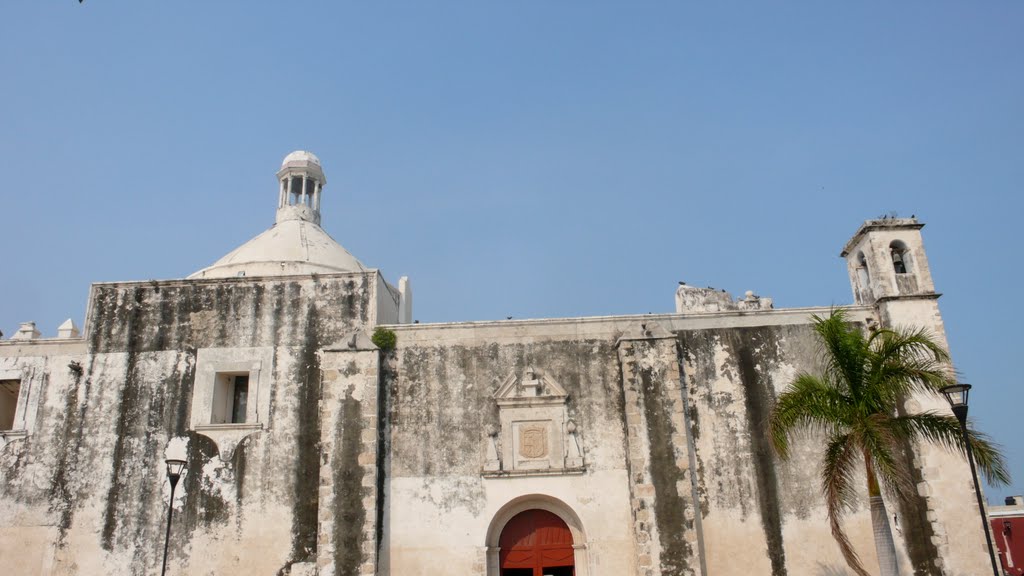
[885, 547]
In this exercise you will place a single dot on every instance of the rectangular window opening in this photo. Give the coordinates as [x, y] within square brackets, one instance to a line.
[240, 398]
[9, 390]
[230, 398]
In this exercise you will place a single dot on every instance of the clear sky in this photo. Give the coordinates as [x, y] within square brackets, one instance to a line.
[530, 158]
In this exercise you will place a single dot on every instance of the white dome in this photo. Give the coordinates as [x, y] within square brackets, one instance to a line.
[300, 157]
[295, 244]
[288, 248]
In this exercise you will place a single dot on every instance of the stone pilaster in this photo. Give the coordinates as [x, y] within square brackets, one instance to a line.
[347, 542]
[661, 494]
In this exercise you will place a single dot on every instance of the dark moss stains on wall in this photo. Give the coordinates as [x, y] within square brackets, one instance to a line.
[693, 416]
[913, 512]
[239, 461]
[204, 504]
[159, 327]
[177, 388]
[277, 320]
[127, 421]
[442, 397]
[669, 506]
[70, 433]
[257, 310]
[751, 355]
[61, 493]
[349, 514]
[749, 345]
[307, 460]
[148, 410]
[226, 313]
[386, 368]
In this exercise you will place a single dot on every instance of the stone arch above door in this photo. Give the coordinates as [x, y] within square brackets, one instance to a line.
[536, 502]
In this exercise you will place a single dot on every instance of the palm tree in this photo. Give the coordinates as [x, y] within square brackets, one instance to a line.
[854, 404]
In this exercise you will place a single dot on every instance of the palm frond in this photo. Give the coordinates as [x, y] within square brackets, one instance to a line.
[945, 430]
[989, 458]
[807, 402]
[837, 474]
[905, 361]
[895, 380]
[843, 350]
[903, 343]
[854, 401]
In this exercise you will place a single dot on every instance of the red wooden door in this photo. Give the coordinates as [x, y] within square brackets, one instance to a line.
[535, 543]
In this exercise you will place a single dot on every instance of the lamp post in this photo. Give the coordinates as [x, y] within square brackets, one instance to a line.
[174, 468]
[957, 397]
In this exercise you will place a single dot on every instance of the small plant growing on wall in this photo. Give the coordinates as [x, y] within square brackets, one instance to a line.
[384, 339]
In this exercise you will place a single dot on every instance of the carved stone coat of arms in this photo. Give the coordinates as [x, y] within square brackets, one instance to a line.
[533, 441]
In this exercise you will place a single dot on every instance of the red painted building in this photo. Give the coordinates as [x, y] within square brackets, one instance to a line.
[1008, 533]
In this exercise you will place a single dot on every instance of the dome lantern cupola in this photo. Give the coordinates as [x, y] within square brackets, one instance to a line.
[295, 244]
[301, 185]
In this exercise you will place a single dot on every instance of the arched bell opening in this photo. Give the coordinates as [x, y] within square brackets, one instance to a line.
[863, 278]
[536, 535]
[901, 258]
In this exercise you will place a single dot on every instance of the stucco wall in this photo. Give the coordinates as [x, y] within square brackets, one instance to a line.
[648, 393]
[89, 477]
[747, 494]
[440, 505]
[359, 462]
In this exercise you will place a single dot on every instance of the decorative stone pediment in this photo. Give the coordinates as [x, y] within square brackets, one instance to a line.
[536, 435]
[532, 388]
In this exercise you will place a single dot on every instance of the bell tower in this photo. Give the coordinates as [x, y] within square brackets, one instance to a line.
[885, 260]
[889, 272]
[301, 185]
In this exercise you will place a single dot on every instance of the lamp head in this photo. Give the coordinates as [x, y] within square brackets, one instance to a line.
[957, 394]
[174, 468]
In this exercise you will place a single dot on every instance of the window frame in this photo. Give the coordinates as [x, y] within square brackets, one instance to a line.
[212, 365]
[17, 409]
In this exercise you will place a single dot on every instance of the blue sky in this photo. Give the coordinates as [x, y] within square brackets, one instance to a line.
[527, 159]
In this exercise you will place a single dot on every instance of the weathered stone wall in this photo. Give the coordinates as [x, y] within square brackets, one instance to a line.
[350, 465]
[942, 533]
[660, 479]
[440, 504]
[86, 493]
[940, 522]
[674, 435]
[747, 495]
[680, 478]
[361, 462]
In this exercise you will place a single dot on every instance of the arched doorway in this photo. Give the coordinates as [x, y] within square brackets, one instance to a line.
[536, 542]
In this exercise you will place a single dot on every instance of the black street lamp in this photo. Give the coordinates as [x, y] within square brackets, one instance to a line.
[174, 468]
[957, 397]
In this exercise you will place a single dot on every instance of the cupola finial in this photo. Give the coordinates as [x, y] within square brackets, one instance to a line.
[301, 185]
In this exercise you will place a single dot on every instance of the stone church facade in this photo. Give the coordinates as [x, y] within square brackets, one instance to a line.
[599, 446]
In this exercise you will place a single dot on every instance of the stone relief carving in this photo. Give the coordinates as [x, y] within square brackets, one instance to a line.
[533, 441]
[535, 435]
[573, 456]
[493, 462]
